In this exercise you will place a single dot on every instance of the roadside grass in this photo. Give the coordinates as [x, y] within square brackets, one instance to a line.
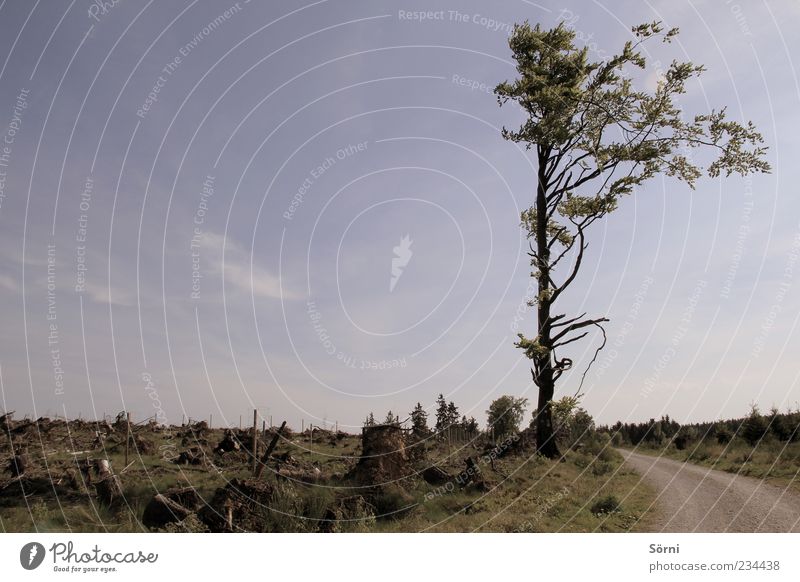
[774, 461]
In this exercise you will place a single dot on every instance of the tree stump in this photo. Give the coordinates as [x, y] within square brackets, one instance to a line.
[18, 464]
[107, 485]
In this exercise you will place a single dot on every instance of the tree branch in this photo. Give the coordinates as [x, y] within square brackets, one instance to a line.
[596, 353]
[569, 341]
[579, 325]
[568, 321]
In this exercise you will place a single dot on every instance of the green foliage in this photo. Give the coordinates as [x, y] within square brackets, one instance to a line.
[470, 425]
[446, 414]
[779, 426]
[419, 421]
[441, 414]
[505, 415]
[751, 429]
[600, 468]
[573, 425]
[554, 229]
[452, 414]
[581, 425]
[754, 427]
[722, 434]
[564, 407]
[599, 446]
[682, 438]
[392, 502]
[294, 510]
[533, 349]
[591, 120]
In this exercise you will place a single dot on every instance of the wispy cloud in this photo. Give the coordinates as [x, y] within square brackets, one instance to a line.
[238, 272]
[8, 283]
[104, 294]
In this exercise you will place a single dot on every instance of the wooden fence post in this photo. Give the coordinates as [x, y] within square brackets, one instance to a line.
[127, 437]
[449, 444]
[269, 450]
[255, 440]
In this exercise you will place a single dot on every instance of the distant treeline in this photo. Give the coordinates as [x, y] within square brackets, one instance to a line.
[752, 428]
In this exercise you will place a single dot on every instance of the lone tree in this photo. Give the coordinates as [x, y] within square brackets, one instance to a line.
[596, 138]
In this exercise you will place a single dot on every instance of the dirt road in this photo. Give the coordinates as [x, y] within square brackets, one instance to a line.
[692, 498]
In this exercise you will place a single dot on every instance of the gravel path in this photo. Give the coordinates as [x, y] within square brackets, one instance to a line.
[692, 498]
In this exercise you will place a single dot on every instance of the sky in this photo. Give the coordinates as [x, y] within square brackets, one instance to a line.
[307, 208]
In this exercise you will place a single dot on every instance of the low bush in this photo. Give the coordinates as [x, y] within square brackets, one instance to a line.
[606, 505]
[602, 468]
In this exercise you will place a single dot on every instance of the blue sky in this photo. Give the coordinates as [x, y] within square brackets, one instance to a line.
[223, 190]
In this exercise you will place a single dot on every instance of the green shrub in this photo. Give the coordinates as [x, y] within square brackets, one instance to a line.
[755, 427]
[392, 502]
[600, 449]
[574, 427]
[723, 436]
[606, 505]
[779, 426]
[581, 461]
[607, 455]
[602, 468]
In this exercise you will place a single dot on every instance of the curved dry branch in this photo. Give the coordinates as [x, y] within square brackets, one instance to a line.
[594, 359]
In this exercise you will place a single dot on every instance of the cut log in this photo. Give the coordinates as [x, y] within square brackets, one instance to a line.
[170, 507]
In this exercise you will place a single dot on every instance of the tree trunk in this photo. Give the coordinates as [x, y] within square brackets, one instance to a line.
[543, 364]
[545, 438]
